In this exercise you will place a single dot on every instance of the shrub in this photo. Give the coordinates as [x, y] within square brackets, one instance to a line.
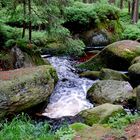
[65, 133]
[121, 120]
[91, 13]
[131, 32]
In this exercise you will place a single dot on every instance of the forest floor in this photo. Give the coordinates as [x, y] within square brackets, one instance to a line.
[131, 132]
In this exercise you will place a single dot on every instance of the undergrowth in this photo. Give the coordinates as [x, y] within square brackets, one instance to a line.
[121, 120]
[23, 128]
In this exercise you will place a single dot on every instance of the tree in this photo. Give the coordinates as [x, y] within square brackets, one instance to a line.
[112, 1]
[121, 4]
[24, 18]
[30, 21]
[135, 11]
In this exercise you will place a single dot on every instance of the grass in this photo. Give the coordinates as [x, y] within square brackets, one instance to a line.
[23, 128]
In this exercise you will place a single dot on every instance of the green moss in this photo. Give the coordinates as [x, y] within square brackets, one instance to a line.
[27, 88]
[37, 60]
[101, 114]
[94, 64]
[90, 74]
[79, 126]
[108, 74]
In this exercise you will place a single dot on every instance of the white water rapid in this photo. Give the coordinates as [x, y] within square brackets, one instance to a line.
[69, 96]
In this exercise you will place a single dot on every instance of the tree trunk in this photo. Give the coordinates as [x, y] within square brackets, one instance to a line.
[30, 22]
[24, 16]
[121, 4]
[129, 7]
[135, 9]
[112, 1]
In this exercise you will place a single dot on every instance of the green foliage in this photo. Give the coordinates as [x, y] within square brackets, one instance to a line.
[91, 13]
[59, 42]
[121, 120]
[65, 133]
[131, 32]
[7, 32]
[74, 47]
[125, 17]
[23, 128]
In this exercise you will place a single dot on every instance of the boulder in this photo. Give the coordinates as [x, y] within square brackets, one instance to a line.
[98, 132]
[96, 38]
[79, 126]
[134, 74]
[90, 74]
[116, 56]
[101, 113]
[16, 58]
[22, 89]
[109, 74]
[110, 91]
[136, 60]
[138, 97]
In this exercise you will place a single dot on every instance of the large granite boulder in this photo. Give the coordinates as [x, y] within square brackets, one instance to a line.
[22, 89]
[105, 74]
[109, 74]
[16, 58]
[116, 56]
[134, 74]
[101, 113]
[93, 75]
[110, 91]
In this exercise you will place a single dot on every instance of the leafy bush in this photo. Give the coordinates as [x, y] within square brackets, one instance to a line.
[65, 133]
[131, 32]
[91, 13]
[125, 17]
[121, 120]
[60, 42]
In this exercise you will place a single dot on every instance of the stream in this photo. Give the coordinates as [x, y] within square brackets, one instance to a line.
[69, 95]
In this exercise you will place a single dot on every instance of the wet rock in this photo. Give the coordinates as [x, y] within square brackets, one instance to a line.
[110, 91]
[22, 89]
[109, 74]
[116, 56]
[90, 74]
[101, 113]
[69, 96]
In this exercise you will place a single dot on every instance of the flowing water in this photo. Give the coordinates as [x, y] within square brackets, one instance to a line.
[69, 96]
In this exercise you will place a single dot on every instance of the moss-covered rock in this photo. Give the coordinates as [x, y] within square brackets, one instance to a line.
[79, 126]
[134, 74]
[110, 91]
[96, 132]
[90, 74]
[101, 114]
[136, 60]
[24, 88]
[96, 24]
[109, 74]
[16, 58]
[116, 56]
